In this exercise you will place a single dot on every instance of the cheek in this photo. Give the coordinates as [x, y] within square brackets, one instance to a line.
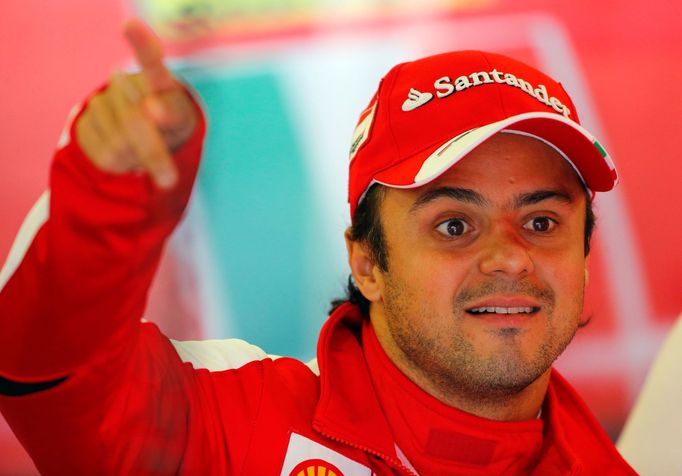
[434, 275]
[566, 275]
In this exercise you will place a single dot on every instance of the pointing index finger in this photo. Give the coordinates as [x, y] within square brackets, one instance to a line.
[149, 53]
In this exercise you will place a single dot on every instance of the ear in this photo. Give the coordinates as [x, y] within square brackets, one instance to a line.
[366, 274]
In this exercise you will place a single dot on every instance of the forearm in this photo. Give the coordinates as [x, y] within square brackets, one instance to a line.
[83, 280]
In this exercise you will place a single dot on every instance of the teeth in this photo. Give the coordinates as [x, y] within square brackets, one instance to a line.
[502, 310]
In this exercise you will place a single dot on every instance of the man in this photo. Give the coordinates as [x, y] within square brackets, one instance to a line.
[470, 192]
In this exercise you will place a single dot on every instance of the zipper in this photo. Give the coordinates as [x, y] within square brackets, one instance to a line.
[389, 459]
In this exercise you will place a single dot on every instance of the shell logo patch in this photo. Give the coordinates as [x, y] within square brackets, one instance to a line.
[307, 457]
[316, 467]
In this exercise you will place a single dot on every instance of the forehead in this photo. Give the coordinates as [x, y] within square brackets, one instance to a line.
[503, 167]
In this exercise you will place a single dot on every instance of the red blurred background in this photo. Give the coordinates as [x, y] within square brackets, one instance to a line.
[629, 55]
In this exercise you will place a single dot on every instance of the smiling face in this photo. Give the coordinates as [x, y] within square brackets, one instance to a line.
[486, 271]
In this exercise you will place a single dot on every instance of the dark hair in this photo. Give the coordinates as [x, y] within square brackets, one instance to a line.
[367, 227]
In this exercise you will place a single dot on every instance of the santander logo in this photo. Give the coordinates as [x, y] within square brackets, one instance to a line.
[445, 86]
[415, 99]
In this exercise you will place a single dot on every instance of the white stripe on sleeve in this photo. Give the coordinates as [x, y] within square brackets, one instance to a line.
[217, 355]
[29, 228]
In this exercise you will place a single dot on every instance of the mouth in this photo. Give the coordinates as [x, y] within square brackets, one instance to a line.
[483, 310]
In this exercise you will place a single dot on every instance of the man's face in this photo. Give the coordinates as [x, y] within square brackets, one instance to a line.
[486, 270]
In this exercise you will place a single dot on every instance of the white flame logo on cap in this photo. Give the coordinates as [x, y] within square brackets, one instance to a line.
[415, 99]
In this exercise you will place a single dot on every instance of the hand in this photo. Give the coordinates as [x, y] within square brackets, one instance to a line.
[140, 119]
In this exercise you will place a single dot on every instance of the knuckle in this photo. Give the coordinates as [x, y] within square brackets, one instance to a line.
[128, 126]
[81, 124]
[112, 86]
[99, 106]
[96, 101]
[105, 160]
[137, 80]
[117, 145]
[102, 159]
[85, 130]
[107, 156]
[130, 120]
[116, 160]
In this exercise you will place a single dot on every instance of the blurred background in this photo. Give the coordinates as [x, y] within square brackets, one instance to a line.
[261, 252]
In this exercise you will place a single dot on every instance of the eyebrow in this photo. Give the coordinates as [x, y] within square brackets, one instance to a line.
[467, 195]
[460, 194]
[538, 196]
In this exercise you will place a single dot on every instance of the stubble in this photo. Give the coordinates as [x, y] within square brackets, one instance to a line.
[439, 349]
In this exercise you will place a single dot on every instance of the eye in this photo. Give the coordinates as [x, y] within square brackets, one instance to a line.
[454, 227]
[540, 224]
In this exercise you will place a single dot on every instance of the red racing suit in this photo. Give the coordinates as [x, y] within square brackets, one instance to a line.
[112, 395]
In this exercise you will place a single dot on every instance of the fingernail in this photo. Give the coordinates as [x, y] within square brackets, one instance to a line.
[166, 178]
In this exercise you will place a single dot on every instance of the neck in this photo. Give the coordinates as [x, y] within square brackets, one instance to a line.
[507, 405]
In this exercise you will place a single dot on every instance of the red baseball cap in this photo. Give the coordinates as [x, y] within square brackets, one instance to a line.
[428, 114]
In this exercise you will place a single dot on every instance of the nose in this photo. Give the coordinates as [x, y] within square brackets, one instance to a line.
[505, 253]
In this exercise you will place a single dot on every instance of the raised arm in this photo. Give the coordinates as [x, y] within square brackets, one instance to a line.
[116, 192]
[76, 364]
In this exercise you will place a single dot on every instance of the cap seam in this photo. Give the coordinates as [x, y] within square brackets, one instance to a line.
[498, 91]
[388, 109]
